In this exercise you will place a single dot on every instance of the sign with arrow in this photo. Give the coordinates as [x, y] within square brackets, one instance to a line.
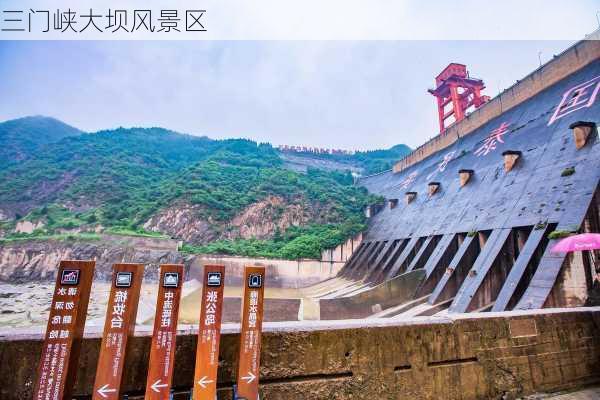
[118, 327]
[105, 390]
[68, 310]
[209, 333]
[159, 387]
[162, 350]
[250, 335]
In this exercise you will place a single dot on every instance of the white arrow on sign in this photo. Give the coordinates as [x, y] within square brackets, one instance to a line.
[104, 390]
[250, 378]
[156, 386]
[204, 381]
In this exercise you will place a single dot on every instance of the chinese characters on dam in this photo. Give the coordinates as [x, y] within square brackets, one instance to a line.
[576, 98]
[60, 352]
[490, 142]
[441, 167]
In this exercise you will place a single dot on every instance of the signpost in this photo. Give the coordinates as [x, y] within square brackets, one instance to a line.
[60, 352]
[162, 352]
[119, 325]
[209, 334]
[250, 335]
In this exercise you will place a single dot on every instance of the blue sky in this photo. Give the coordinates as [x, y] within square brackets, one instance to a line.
[344, 94]
[337, 84]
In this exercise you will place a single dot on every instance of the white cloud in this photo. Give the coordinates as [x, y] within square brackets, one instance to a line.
[348, 94]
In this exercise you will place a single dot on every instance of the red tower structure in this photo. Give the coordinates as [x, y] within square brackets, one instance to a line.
[455, 87]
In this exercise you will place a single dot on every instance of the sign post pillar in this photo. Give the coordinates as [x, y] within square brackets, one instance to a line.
[58, 365]
[250, 335]
[209, 334]
[162, 351]
[118, 326]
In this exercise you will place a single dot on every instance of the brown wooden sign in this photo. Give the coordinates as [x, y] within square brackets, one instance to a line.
[250, 335]
[118, 326]
[60, 352]
[162, 352]
[209, 333]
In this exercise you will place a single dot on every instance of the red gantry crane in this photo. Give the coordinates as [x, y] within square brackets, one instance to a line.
[455, 87]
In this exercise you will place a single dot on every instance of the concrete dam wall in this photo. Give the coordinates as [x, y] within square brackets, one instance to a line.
[477, 215]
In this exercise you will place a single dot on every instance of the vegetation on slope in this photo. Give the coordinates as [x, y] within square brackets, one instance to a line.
[295, 243]
[118, 179]
[21, 138]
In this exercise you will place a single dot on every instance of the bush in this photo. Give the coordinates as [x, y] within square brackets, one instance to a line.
[568, 171]
[128, 175]
[559, 234]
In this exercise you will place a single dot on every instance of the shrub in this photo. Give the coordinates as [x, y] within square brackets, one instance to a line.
[568, 171]
[559, 234]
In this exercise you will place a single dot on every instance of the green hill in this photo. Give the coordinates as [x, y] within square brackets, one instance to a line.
[23, 137]
[227, 196]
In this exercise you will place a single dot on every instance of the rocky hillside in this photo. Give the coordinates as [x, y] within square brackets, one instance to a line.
[36, 260]
[229, 196]
[359, 163]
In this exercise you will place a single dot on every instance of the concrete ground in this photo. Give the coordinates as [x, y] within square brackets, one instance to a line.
[584, 394]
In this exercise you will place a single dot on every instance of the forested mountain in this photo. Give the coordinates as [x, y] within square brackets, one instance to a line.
[227, 196]
[20, 138]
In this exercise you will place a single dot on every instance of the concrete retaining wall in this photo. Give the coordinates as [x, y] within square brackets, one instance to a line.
[482, 356]
[279, 273]
[342, 252]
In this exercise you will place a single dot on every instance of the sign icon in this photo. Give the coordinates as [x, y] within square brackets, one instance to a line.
[69, 277]
[171, 280]
[123, 279]
[214, 279]
[254, 281]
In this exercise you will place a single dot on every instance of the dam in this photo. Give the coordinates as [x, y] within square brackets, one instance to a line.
[469, 220]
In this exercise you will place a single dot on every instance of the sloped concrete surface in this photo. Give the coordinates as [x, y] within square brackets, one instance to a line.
[534, 193]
